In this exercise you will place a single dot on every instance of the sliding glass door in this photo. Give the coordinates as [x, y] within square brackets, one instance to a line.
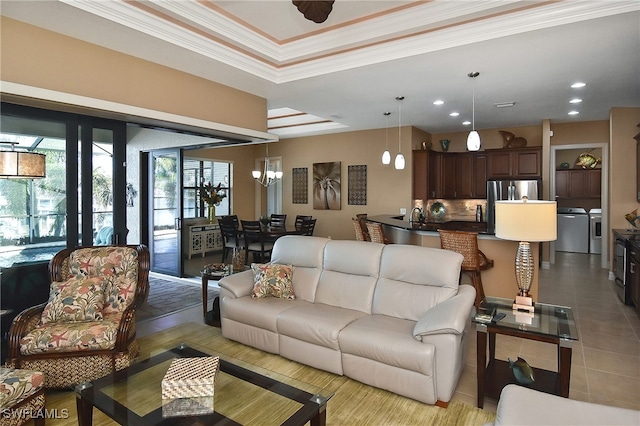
[165, 206]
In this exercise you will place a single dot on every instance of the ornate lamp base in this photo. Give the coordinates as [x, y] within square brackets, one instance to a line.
[524, 277]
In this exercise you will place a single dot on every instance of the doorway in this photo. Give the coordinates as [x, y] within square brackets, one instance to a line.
[165, 211]
[556, 153]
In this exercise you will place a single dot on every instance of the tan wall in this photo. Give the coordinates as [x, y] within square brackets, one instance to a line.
[490, 138]
[580, 133]
[36, 57]
[388, 189]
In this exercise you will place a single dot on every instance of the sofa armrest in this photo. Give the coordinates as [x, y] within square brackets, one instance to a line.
[450, 316]
[240, 284]
[522, 406]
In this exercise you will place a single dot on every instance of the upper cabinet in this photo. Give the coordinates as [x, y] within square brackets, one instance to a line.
[449, 175]
[578, 183]
[514, 163]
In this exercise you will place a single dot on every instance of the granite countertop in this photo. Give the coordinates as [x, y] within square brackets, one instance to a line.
[453, 225]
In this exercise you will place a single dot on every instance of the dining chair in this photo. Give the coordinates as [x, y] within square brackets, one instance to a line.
[255, 241]
[376, 233]
[307, 226]
[475, 261]
[278, 221]
[299, 219]
[231, 235]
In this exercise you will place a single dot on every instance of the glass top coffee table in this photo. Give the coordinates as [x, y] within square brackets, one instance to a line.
[549, 323]
[243, 395]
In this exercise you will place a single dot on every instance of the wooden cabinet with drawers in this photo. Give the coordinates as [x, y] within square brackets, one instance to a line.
[203, 239]
[449, 175]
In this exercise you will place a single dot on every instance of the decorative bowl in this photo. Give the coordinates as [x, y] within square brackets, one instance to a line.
[438, 210]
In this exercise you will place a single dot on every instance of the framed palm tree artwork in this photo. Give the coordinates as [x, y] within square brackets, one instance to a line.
[326, 186]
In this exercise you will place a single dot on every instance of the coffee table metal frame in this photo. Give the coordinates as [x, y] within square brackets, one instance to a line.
[550, 323]
[90, 395]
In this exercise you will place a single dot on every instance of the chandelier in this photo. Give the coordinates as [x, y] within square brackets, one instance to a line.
[21, 164]
[267, 177]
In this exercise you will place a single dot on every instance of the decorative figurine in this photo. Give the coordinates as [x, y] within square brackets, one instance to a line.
[586, 160]
[512, 141]
[522, 371]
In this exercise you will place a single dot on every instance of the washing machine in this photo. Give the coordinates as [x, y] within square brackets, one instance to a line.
[573, 230]
[595, 231]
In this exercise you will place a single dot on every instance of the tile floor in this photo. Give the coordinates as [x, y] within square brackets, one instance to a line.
[605, 363]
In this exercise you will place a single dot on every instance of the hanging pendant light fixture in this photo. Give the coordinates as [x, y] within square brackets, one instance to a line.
[399, 162]
[473, 140]
[267, 177]
[386, 155]
[21, 164]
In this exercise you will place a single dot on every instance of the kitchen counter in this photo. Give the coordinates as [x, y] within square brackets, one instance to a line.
[452, 225]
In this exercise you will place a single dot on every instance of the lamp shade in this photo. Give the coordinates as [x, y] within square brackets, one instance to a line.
[530, 220]
[473, 141]
[22, 165]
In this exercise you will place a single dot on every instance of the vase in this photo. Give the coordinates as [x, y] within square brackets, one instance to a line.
[237, 259]
[444, 143]
[212, 214]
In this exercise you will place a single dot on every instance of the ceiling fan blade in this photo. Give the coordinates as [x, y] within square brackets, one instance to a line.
[316, 11]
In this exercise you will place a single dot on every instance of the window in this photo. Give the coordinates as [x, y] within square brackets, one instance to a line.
[196, 173]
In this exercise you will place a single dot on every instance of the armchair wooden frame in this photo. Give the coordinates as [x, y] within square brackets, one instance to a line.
[65, 369]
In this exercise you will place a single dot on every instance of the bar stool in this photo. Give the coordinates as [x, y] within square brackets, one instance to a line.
[466, 243]
[376, 233]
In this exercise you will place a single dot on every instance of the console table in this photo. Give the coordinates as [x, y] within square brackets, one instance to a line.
[549, 323]
[204, 238]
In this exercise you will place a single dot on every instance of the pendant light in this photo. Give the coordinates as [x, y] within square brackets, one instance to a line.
[399, 163]
[473, 140]
[386, 155]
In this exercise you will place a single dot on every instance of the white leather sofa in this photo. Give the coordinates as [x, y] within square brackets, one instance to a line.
[523, 406]
[391, 316]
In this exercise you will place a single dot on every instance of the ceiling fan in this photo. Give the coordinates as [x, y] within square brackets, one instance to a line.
[316, 11]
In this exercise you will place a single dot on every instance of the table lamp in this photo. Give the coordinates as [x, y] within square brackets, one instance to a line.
[526, 221]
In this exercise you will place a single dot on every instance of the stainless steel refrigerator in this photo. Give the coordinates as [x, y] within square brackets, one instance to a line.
[498, 190]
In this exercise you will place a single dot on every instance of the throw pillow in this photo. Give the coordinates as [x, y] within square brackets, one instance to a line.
[272, 280]
[77, 299]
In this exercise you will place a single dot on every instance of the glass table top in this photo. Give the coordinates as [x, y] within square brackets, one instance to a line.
[243, 394]
[547, 320]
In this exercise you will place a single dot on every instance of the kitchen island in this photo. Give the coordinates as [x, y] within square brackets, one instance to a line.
[498, 281]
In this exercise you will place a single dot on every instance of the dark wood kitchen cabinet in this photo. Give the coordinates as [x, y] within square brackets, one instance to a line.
[449, 175]
[420, 174]
[471, 176]
[578, 183]
[514, 163]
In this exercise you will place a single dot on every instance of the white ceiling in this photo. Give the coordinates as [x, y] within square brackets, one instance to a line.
[350, 68]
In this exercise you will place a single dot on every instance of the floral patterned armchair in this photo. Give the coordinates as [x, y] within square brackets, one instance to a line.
[86, 330]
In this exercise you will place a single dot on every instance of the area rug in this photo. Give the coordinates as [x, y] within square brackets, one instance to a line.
[354, 403]
[168, 296]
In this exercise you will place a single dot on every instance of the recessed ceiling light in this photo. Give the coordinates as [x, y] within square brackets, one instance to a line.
[466, 123]
[578, 85]
[438, 102]
[575, 101]
[454, 114]
[573, 113]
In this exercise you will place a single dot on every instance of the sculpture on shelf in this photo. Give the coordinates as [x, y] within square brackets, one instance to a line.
[522, 371]
[632, 218]
[586, 160]
[512, 141]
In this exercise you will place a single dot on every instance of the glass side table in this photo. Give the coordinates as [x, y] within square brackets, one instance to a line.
[549, 323]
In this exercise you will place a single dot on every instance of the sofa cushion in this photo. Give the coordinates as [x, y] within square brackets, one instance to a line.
[120, 292]
[72, 336]
[316, 323]
[388, 340]
[414, 279]
[306, 254]
[272, 280]
[350, 274]
[76, 299]
[261, 313]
